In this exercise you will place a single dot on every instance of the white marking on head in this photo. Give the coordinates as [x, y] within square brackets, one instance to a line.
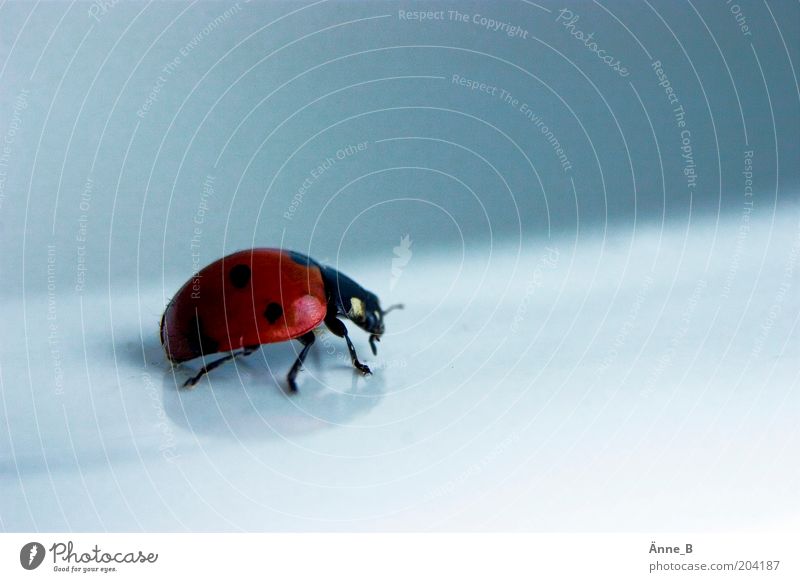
[357, 310]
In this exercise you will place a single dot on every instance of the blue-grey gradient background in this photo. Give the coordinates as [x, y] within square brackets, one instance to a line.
[272, 90]
[145, 139]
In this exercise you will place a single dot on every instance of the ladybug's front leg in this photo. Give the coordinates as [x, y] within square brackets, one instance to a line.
[338, 328]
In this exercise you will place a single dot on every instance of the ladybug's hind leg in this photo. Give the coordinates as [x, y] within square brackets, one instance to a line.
[338, 328]
[307, 340]
[216, 363]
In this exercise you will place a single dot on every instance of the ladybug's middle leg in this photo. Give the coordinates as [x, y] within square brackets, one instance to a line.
[338, 328]
[307, 340]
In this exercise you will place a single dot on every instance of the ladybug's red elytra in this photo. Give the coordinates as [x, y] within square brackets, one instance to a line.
[262, 296]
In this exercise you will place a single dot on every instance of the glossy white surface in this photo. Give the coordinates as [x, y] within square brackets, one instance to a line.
[605, 383]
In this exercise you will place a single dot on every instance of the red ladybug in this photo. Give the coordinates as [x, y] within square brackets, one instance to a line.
[262, 296]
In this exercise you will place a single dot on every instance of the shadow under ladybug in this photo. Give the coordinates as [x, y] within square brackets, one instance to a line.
[264, 295]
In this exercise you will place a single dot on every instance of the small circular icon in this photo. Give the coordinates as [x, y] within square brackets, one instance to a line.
[31, 555]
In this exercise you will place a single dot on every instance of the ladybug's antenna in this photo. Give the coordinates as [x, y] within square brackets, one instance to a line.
[392, 307]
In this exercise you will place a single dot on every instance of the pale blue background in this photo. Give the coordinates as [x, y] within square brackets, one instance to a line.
[92, 78]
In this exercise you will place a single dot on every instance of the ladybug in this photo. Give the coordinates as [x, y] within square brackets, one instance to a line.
[261, 296]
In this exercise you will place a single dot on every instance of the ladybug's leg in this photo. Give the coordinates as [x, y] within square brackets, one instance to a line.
[307, 340]
[338, 328]
[216, 363]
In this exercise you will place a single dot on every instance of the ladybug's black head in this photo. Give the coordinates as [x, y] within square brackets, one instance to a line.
[352, 301]
[365, 311]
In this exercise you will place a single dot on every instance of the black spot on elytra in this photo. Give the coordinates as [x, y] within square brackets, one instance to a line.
[199, 342]
[240, 276]
[273, 312]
